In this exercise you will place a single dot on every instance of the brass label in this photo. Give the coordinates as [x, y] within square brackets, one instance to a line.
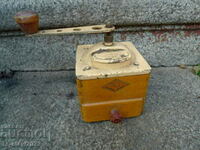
[115, 85]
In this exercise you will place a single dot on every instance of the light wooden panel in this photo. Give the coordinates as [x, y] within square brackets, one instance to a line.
[115, 88]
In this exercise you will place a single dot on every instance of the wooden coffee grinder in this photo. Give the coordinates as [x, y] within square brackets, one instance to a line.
[112, 77]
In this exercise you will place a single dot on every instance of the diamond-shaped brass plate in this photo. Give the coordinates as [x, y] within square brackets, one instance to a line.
[115, 85]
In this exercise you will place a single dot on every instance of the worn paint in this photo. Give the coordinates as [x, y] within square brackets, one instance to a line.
[161, 36]
[193, 26]
[191, 32]
[108, 63]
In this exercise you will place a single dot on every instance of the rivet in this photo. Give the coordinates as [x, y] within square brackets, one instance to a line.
[136, 64]
[86, 68]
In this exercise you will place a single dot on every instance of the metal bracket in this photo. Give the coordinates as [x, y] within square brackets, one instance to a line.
[77, 30]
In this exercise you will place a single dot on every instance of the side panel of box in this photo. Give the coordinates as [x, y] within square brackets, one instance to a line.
[110, 89]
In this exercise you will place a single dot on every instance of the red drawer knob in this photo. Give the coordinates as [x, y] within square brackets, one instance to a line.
[116, 117]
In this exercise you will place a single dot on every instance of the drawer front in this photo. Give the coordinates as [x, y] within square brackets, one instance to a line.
[109, 89]
[100, 111]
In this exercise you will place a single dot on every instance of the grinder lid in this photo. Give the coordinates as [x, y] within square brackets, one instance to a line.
[101, 61]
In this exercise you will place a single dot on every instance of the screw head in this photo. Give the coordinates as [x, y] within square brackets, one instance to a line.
[86, 68]
[136, 64]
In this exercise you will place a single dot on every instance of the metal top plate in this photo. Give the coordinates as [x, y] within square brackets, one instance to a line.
[85, 71]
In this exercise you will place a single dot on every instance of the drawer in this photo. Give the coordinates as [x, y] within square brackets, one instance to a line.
[100, 111]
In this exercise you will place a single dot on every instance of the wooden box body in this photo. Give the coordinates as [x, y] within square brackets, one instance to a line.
[100, 93]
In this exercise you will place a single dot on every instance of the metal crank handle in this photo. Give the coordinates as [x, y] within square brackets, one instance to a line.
[29, 24]
[77, 30]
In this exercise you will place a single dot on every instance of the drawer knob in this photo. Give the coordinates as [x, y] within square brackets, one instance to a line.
[116, 117]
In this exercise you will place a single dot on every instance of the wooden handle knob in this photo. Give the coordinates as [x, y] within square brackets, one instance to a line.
[116, 117]
[28, 21]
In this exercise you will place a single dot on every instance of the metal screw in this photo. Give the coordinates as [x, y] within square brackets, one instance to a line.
[136, 64]
[86, 68]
